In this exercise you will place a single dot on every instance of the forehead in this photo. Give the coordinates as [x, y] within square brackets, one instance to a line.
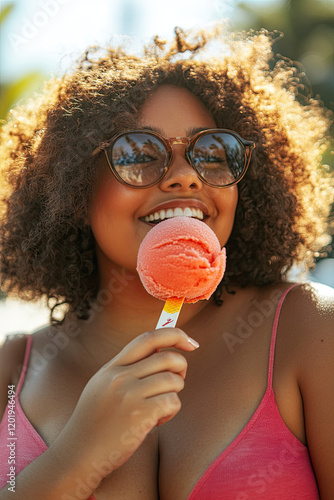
[175, 110]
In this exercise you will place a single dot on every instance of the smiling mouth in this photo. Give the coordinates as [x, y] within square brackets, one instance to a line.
[169, 213]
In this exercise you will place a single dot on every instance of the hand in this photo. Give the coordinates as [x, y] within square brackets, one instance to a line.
[134, 392]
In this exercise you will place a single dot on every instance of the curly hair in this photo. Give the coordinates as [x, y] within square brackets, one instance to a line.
[48, 170]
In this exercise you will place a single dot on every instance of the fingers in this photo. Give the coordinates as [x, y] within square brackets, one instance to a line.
[160, 362]
[164, 407]
[149, 342]
[160, 383]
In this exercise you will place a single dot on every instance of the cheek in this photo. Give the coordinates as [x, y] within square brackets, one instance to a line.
[108, 200]
[227, 205]
[112, 218]
[105, 208]
[233, 199]
[101, 206]
[109, 227]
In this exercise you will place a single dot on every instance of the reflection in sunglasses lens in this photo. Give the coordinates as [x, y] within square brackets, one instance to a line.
[140, 158]
[218, 158]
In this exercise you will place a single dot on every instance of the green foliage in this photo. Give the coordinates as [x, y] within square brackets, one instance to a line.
[20, 88]
[308, 28]
[4, 13]
[12, 92]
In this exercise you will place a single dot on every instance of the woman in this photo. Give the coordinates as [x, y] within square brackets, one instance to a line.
[98, 403]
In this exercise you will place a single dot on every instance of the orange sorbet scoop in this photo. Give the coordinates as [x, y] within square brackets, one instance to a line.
[181, 258]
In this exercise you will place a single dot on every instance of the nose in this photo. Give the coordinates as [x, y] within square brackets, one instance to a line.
[180, 175]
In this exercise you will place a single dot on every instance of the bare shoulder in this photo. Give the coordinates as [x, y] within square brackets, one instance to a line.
[309, 317]
[321, 296]
[307, 322]
[12, 350]
[310, 314]
[310, 310]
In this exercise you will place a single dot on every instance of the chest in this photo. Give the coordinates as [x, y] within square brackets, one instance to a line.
[222, 393]
[224, 385]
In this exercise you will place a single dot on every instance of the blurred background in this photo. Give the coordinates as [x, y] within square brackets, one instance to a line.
[41, 38]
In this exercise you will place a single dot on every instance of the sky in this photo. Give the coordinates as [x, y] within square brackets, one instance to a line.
[48, 35]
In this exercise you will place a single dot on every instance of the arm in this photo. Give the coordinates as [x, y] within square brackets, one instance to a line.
[315, 312]
[135, 390]
[59, 469]
[55, 475]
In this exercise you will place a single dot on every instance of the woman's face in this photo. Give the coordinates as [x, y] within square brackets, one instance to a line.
[117, 211]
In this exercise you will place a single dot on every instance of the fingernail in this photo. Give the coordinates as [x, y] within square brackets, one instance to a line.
[193, 342]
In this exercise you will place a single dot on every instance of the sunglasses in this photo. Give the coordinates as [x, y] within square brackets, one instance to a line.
[141, 158]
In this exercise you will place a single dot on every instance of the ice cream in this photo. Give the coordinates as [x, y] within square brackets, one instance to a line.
[181, 257]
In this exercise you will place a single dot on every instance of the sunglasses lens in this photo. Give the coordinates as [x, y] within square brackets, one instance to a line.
[138, 158]
[219, 158]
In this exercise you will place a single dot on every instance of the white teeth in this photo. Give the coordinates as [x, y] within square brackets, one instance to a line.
[178, 212]
[175, 212]
[187, 212]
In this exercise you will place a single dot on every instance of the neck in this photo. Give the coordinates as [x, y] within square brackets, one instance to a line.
[122, 310]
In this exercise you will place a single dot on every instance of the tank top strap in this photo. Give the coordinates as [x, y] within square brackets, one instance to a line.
[274, 335]
[25, 364]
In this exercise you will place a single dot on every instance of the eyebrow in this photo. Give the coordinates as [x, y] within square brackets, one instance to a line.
[190, 132]
[195, 130]
[153, 129]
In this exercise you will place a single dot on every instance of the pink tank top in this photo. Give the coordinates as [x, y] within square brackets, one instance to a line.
[265, 461]
[27, 444]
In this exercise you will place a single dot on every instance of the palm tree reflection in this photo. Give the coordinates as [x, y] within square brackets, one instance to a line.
[219, 158]
[138, 158]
